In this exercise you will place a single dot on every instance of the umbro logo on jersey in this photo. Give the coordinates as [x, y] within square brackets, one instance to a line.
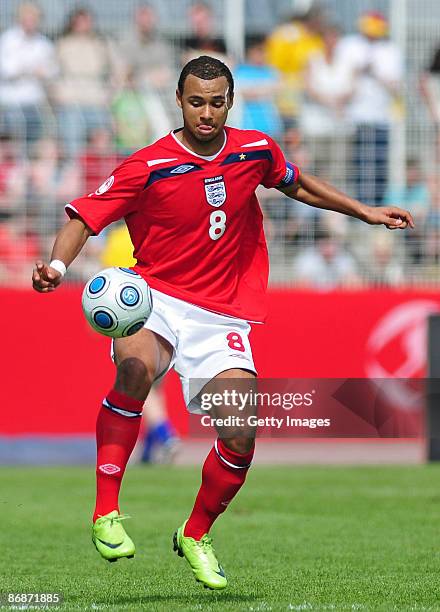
[181, 169]
[215, 190]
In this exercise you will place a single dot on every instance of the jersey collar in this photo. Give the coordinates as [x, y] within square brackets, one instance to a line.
[205, 157]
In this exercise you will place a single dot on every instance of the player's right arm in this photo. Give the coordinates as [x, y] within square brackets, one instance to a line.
[115, 199]
[68, 243]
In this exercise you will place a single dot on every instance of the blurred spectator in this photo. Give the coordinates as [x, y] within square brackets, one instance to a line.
[12, 176]
[27, 65]
[148, 58]
[146, 103]
[323, 119]
[50, 184]
[414, 195]
[98, 159]
[384, 267]
[256, 87]
[88, 71]
[378, 65]
[289, 49]
[431, 234]
[326, 265]
[139, 117]
[203, 39]
[430, 83]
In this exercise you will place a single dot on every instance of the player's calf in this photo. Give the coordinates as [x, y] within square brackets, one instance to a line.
[239, 444]
[133, 378]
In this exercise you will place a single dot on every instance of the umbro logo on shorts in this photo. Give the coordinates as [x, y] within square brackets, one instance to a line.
[182, 169]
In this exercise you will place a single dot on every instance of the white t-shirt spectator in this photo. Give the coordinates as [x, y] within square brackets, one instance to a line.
[26, 62]
[332, 80]
[314, 270]
[379, 68]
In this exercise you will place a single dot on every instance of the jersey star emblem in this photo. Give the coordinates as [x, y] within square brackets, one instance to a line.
[242, 156]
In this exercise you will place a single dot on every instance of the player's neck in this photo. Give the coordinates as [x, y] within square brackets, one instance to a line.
[201, 148]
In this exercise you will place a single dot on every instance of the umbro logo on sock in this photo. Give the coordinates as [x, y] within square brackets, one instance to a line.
[109, 468]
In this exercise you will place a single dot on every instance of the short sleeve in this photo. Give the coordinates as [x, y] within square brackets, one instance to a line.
[280, 172]
[114, 199]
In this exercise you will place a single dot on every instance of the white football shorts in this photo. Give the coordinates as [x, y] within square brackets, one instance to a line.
[204, 343]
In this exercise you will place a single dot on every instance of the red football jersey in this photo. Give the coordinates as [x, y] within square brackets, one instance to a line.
[195, 221]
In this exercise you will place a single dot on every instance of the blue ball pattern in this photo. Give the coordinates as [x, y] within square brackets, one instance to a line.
[130, 296]
[135, 328]
[97, 284]
[128, 271]
[103, 319]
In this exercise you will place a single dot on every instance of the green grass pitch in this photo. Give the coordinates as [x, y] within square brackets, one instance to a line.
[296, 538]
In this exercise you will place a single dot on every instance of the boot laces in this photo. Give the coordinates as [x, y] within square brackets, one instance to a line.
[116, 519]
[206, 543]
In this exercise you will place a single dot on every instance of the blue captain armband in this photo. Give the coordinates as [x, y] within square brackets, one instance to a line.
[291, 176]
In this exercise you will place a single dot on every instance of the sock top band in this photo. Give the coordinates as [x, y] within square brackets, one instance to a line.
[121, 400]
[231, 458]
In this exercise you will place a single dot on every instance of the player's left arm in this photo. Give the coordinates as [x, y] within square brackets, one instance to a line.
[315, 192]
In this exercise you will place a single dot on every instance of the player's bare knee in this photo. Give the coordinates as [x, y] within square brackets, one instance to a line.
[133, 378]
[239, 444]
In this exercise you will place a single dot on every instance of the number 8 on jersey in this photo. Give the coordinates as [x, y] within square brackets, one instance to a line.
[217, 221]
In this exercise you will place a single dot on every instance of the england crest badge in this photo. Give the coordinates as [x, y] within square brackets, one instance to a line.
[215, 191]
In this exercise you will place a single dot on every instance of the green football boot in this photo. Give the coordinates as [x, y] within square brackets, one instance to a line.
[201, 557]
[110, 539]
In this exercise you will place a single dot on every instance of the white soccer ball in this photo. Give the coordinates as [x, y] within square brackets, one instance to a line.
[117, 302]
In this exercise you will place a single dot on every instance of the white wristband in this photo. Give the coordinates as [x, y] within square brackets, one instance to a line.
[58, 265]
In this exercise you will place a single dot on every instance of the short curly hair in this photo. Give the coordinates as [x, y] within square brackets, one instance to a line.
[207, 68]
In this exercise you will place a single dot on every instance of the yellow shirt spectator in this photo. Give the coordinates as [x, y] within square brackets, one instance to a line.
[290, 46]
[289, 49]
[118, 249]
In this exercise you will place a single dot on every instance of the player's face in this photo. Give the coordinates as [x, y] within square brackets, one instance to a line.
[205, 106]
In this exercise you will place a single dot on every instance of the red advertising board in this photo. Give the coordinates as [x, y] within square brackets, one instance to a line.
[56, 370]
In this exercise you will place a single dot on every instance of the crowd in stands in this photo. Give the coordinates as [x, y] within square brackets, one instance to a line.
[73, 106]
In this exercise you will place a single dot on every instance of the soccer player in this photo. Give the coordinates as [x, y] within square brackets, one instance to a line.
[190, 206]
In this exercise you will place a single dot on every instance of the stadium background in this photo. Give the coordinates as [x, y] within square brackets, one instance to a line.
[346, 300]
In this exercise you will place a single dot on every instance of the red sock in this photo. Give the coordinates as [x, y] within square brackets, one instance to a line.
[223, 475]
[117, 429]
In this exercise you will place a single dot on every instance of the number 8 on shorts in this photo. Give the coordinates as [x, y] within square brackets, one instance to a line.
[235, 342]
